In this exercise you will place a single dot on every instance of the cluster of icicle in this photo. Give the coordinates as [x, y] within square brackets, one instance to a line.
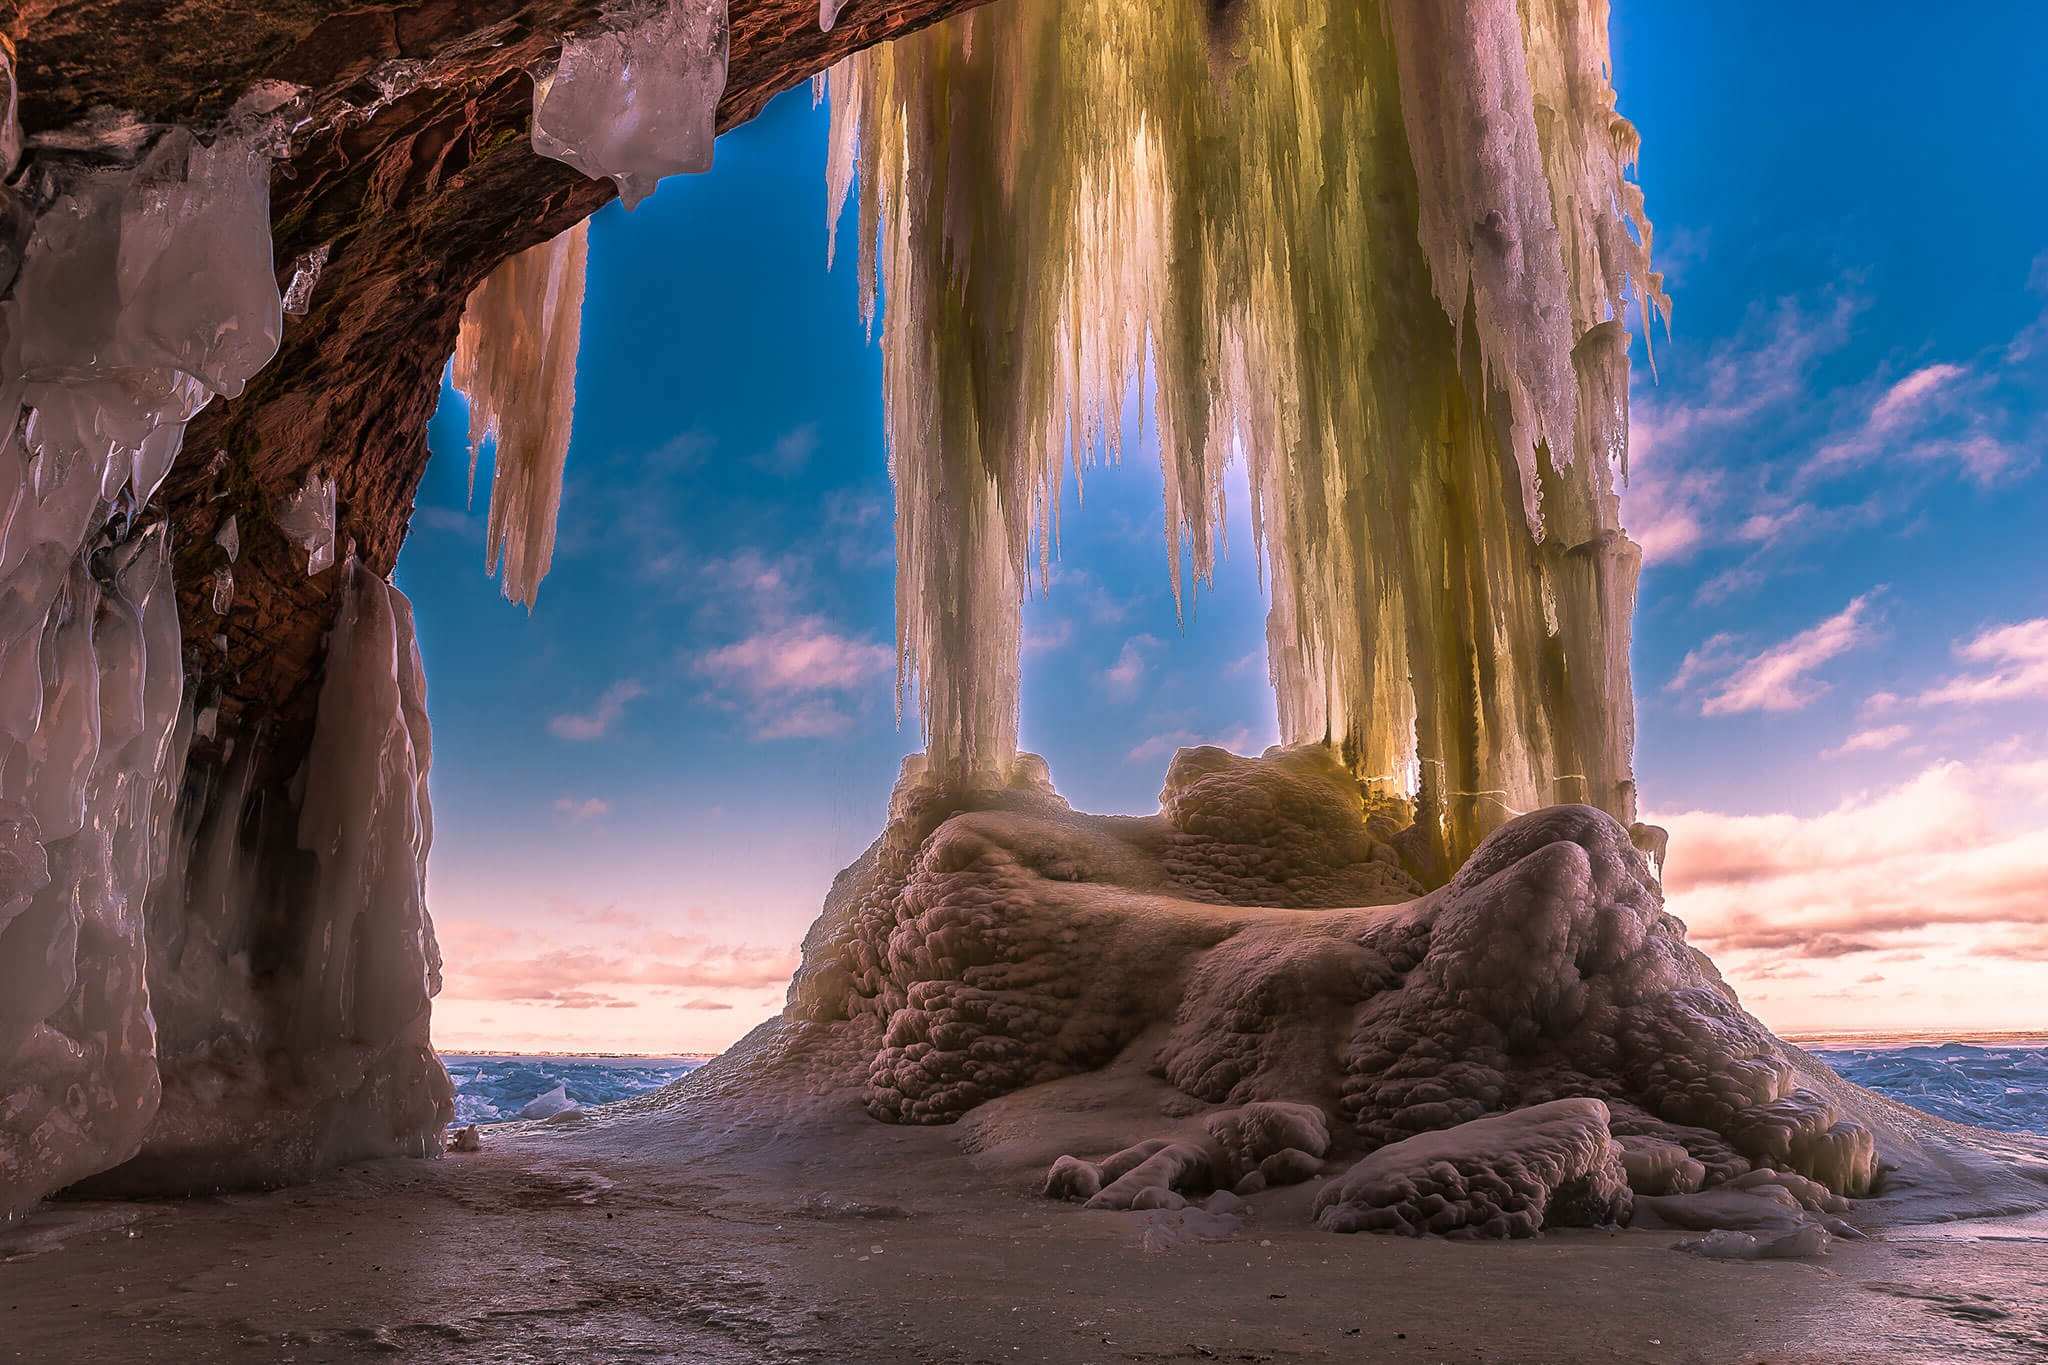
[515, 359]
[635, 99]
[1381, 250]
[143, 288]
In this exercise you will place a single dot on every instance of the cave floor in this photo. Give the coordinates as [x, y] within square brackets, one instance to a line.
[668, 1237]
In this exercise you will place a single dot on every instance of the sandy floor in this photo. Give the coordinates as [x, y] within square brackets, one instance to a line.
[684, 1235]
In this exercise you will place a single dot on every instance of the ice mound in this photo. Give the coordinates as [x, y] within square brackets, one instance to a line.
[637, 99]
[1532, 1044]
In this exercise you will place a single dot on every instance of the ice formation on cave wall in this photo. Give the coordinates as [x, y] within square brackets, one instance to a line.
[1383, 251]
[291, 957]
[145, 289]
[636, 99]
[515, 359]
[306, 518]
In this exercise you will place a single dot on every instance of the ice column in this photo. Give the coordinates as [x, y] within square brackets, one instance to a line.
[637, 99]
[515, 360]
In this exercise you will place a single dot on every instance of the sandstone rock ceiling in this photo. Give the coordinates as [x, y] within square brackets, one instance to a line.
[420, 190]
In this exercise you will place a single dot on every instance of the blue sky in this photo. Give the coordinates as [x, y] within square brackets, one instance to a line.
[643, 790]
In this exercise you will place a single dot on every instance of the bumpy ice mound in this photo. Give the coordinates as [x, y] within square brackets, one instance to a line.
[1533, 1043]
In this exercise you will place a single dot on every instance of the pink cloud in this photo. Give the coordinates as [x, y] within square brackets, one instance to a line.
[1946, 852]
[1870, 740]
[1779, 679]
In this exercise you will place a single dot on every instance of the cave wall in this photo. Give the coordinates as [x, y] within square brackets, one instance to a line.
[269, 1053]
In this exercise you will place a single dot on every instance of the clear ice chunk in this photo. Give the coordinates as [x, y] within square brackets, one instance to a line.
[306, 269]
[306, 519]
[637, 99]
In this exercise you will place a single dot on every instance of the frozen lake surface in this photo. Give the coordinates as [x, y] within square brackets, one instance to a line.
[1990, 1085]
[496, 1087]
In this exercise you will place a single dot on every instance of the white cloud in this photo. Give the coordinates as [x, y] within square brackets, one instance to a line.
[1908, 398]
[1870, 740]
[804, 655]
[594, 723]
[2015, 660]
[804, 720]
[1053, 635]
[1123, 676]
[1779, 679]
[1716, 654]
[791, 452]
[583, 810]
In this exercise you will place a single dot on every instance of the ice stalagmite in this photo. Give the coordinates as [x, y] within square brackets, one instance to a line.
[145, 288]
[637, 98]
[1382, 251]
[515, 359]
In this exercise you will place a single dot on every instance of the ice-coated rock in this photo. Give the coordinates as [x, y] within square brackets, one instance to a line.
[10, 115]
[1506, 1175]
[636, 99]
[198, 283]
[1278, 1142]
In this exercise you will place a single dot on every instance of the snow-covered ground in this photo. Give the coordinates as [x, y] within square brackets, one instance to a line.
[497, 1087]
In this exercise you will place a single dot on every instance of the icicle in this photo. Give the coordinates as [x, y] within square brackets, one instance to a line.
[223, 591]
[828, 13]
[637, 99]
[229, 539]
[1486, 221]
[306, 518]
[515, 360]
